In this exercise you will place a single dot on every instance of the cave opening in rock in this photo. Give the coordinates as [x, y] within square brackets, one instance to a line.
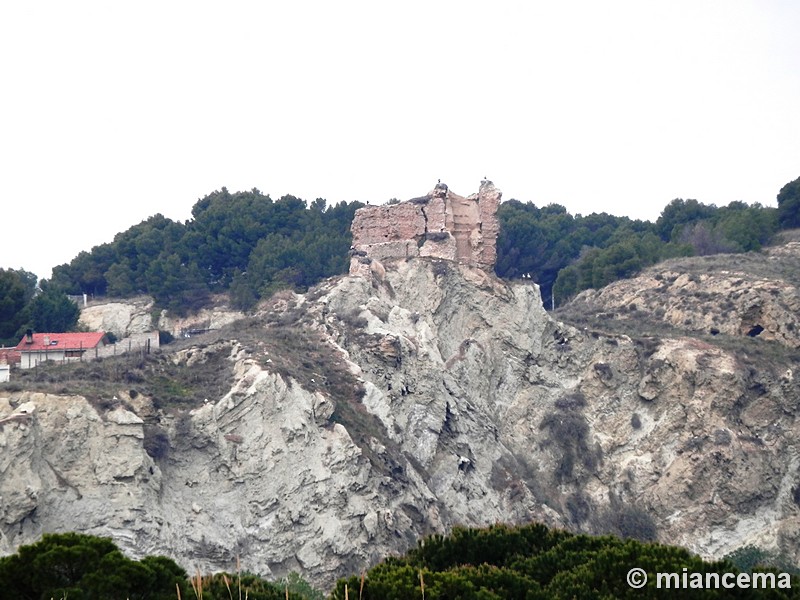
[755, 330]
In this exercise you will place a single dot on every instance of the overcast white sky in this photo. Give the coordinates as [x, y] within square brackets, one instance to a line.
[111, 112]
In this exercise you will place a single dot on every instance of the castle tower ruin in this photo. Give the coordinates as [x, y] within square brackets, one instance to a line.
[441, 224]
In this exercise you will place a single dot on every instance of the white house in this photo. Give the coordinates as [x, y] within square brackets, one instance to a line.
[36, 348]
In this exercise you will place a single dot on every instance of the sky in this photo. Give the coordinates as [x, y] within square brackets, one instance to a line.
[111, 112]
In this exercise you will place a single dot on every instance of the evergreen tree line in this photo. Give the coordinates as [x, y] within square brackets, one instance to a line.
[533, 562]
[530, 562]
[248, 245]
[566, 254]
[242, 243]
[684, 228]
[26, 305]
[72, 566]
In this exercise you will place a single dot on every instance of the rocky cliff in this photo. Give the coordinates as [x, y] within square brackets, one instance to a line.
[754, 294]
[378, 408]
[125, 318]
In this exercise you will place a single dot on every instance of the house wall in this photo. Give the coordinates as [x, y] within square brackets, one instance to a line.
[31, 359]
[5, 373]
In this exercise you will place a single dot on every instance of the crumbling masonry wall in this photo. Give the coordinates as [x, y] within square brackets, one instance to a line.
[440, 225]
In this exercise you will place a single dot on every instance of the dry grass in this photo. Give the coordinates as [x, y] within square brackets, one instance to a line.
[759, 265]
[285, 339]
[156, 375]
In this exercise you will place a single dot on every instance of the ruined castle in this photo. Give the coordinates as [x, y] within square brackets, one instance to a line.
[440, 224]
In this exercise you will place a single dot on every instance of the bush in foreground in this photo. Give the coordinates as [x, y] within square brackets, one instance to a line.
[533, 563]
[500, 562]
[72, 566]
[84, 567]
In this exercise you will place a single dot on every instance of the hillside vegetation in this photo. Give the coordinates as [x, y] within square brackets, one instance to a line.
[566, 254]
[249, 245]
[24, 305]
[500, 562]
[244, 243]
[529, 563]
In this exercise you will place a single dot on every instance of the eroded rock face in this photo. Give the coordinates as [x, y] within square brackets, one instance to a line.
[67, 467]
[441, 224]
[133, 316]
[739, 295]
[477, 407]
[123, 318]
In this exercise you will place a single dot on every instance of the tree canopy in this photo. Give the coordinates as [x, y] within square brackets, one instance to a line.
[529, 562]
[249, 245]
[14, 297]
[23, 305]
[244, 242]
[533, 562]
[789, 205]
[83, 567]
[684, 228]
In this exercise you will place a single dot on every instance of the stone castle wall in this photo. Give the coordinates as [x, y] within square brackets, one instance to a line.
[440, 225]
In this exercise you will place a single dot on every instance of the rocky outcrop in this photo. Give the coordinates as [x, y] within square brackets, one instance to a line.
[215, 317]
[63, 462]
[122, 318]
[753, 294]
[439, 225]
[456, 400]
[126, 318]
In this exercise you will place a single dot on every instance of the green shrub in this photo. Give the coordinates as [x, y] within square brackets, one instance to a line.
[156, 442]
[751, 558]
[84, 567]
[530, 562]
[569, 433]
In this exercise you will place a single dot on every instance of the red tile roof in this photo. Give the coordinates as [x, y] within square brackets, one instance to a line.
[61, 341]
